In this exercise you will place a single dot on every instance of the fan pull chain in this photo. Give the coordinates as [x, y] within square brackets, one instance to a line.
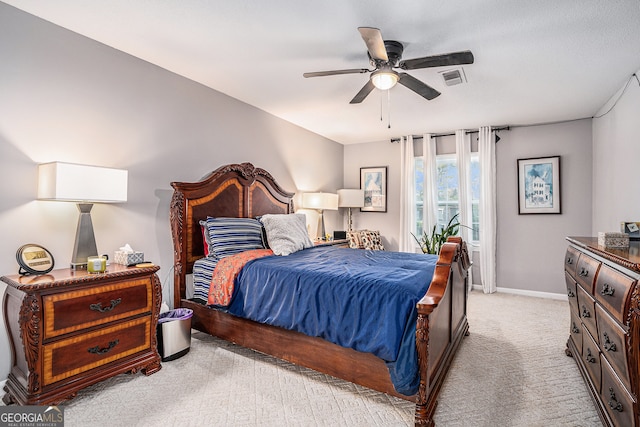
[388, 108]
[381, 107]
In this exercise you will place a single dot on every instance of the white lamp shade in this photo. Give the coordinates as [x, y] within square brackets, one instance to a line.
[81, 183]
[351, 198]
[320, 201]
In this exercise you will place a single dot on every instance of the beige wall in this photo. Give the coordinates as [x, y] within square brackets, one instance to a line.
[68, 98]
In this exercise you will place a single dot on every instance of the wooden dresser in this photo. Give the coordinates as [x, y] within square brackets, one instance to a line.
[70, 329]
[604, 300]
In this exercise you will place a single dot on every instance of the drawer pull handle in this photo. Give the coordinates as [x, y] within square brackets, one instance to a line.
[585, 312]
[98, 306]
[608, 345]
[98, 350]
[574, 328]
[589, 357]
[570, 293]
[569, 260]
[613, 402]
[607, 290]
[583, 272]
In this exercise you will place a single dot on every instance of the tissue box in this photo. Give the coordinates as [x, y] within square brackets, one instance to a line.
[612, 239]
[126, 258]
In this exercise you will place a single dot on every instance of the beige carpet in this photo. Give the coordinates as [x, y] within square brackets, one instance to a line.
[511, 371]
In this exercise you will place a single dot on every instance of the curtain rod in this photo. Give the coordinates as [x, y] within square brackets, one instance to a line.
[437, 135]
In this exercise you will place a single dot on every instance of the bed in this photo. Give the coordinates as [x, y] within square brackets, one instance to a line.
[244, 191]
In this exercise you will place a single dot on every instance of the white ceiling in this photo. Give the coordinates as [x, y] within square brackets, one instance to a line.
[535, 61]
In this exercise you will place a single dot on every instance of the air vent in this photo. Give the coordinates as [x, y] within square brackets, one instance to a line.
[453, 77]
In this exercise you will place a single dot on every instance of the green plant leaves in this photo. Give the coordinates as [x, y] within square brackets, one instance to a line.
[431, 243]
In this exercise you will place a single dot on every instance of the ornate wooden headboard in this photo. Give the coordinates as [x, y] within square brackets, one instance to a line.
[235, 190]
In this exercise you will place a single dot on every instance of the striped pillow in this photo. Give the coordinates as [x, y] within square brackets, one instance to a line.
[230, 236]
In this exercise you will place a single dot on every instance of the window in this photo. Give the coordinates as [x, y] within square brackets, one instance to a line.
[447, 192]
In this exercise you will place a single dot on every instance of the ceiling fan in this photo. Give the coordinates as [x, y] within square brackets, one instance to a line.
[385, 55]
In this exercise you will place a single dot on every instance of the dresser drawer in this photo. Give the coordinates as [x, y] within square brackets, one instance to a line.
[571, 260]
[587, 310]
[616, 400]
[591, 357]
[65, 358]
[612, 290]
[586, 271]
[576, 331]
[612, 338]
[572, 293]
[71, 311]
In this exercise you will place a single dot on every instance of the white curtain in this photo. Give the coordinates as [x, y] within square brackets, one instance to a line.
[430, 202]
[487, 155]
[463, 157]
[406, 242]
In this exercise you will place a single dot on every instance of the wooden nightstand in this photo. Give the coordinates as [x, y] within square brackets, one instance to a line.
[341, 243]
[70, 329]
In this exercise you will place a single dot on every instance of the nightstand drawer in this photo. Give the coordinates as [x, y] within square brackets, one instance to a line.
[75, 355]
[71, 311]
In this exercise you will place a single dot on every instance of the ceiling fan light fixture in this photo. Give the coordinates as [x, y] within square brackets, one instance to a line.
[384, 79]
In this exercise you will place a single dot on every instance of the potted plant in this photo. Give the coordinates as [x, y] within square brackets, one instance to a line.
[431, 243]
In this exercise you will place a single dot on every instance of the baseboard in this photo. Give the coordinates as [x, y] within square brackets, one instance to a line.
[537, 294]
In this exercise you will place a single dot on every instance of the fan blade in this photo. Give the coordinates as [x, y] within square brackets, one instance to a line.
[454, 58]
[360, 96]
[335, 72]
[417, 86]
[375, 45]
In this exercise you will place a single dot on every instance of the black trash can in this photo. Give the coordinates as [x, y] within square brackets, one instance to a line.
[174, 333]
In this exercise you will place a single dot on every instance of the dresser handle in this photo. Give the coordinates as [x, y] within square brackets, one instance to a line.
[98, 350]
[569, 260]
[585, 312]
[589, 357]
[608, 345]
[583, 272]
[607, 290]
[613, 402]
[570, 293]
[574, 328]
[98, 306]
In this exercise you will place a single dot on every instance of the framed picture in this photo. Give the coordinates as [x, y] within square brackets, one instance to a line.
[539, 185]
[373, 180]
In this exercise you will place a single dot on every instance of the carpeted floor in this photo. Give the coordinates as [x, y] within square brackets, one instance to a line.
[511, 371]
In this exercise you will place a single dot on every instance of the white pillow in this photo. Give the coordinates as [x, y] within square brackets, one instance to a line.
[286, 233]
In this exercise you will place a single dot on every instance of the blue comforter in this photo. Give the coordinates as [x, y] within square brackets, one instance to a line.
[360, 299]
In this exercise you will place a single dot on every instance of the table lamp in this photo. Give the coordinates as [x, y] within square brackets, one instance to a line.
[84, 185]
[320, 202]
[350, 198]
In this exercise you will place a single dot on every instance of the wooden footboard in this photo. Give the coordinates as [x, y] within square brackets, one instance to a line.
[241, 190]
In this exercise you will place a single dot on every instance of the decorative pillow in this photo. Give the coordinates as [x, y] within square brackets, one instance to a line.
[286, 233]
[230, 236]
[371, 240]
[354, 240]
